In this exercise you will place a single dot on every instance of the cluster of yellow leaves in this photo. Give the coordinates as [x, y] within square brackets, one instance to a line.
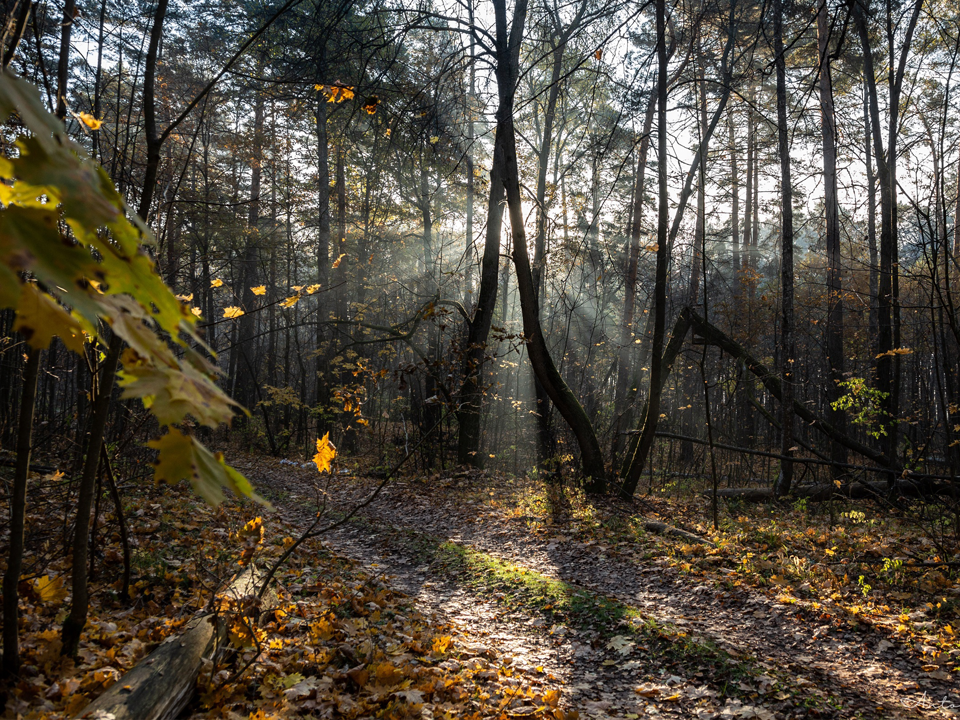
[249, 537]
[894, 352]
[72, 285]
[337, 92]
[89, 120]
[300, 291]
[326, 452]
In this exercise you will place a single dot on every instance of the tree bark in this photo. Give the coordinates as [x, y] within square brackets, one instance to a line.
[652, 416]
[18, 504]
[507, 72]
[244, 360]
[63, 65]
[471, 391]
[888, 310]
[834, 331]
[787, 351]
[151, 138]
[640, 448]
[73, 625]
[323, 240]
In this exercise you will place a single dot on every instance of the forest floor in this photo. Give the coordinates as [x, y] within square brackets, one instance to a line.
[475, 595]
[763, 623]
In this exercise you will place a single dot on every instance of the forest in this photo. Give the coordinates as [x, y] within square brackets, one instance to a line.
[480, 359]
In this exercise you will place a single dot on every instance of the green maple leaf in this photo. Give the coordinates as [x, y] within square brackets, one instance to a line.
[182, 457]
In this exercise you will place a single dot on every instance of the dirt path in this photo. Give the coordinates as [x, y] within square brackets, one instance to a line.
[802, 668]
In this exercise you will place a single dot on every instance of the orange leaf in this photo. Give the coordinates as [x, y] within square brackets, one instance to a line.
[90, 121]
[326, 452]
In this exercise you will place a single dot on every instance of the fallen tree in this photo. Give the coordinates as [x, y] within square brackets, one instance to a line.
[924, 486]
[712, 335]
[160, 686]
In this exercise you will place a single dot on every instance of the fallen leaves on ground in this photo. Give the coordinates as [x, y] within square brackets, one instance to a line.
[338, 642]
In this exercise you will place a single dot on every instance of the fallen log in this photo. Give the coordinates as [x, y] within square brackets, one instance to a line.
[771, 381]
[663, 529]
[904, 487]
[161, 685]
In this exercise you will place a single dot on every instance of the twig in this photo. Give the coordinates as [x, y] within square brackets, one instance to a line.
[312, 532]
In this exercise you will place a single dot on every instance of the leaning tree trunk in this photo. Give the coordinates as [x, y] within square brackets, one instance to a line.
[508, 61]
[478, 329]
[642, 448]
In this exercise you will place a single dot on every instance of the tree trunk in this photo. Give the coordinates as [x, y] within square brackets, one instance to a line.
[640, 448]
[244, 352]
[874, 320]
[652, 416]
[508, 61]
[834, 332]
[323, 242]
[787, 351]
[471, 391]
[18, 504]
[63, 65]
[151, 138]
[888, 311]
[734, 209]
[73, 625]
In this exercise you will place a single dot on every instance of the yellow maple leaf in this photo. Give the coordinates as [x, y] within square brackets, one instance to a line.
[90, 121]
[185, 298]
[259, 290]
[196, 311]
[216, 283]
[40, 317]
[326, 452]
[311, 289]
[389, 674]
[290, 301]
[50, 589]
[336, 263]
[371, 104]
[232, 312]
[434, 139]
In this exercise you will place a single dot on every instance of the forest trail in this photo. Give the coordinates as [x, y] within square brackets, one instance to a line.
[776, 661]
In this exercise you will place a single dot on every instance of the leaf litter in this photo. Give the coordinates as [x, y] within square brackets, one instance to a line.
[806, 662]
